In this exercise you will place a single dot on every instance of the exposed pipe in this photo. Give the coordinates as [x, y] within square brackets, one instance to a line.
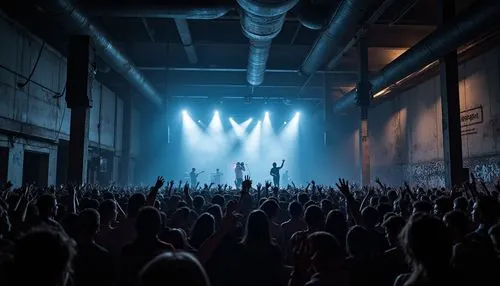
[74, 17]
[187, 41]
[373, 18]
[261, 21]
[481, 16]
[312, 16]
[164, 11]
[340, 30]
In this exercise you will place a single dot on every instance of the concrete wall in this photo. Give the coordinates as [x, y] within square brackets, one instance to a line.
[406, 132]
[31, 115]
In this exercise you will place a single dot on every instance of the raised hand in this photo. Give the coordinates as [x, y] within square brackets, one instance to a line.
[186, 189]
[259, 187]
[268, 184]
[159, 182]
[247, 184]
[343, 186]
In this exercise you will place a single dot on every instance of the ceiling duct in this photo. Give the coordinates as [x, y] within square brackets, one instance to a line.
[341, 28]
[261, 21]
[480, 17]
[164, 11]
[74, 18]
[313, 16]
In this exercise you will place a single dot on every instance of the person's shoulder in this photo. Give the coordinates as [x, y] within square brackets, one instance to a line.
[165, 246]
[99, 248]
[301, 234]
[401, 279]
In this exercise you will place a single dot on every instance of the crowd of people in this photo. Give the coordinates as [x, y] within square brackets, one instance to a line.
[256, 235]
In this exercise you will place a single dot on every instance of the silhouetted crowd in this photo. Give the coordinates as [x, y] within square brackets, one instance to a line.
[174, 234]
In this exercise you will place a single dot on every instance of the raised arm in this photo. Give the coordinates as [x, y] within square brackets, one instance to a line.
[282, 163]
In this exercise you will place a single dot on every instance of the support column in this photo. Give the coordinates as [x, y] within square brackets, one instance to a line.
[15, 167]
[126, 131]
[78, 88]
[450, 105]
[328, 112]
[363, 93]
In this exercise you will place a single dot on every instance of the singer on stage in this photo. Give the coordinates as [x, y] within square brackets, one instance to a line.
[275, 173]
[238, 171]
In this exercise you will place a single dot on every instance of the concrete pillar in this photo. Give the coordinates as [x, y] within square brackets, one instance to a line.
[126, 141]
[15, 168]
[78, 88]
[450, 105]
[328, 112]
[363, 102]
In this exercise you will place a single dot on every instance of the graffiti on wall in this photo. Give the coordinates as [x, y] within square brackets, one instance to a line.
[427, 174]
[486, 169]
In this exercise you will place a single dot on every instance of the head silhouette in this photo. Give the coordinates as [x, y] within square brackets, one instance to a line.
[108, 211]
[148, 223]
[314, 217]
[358, 242]
[193, 170]
[135, 203]
[175, 269]
[47, 206]
[427, 242]
[202, 229]
[270, 207]
[257, 232]
[393, 226]
[88, 224]
[295, 209]
[336, 225]
[274, 164]
[44, 255]
[325, 251]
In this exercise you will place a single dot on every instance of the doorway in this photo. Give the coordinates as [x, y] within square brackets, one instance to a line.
[4, 164]
[36, 168]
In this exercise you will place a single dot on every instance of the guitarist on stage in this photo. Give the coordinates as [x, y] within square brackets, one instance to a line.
[193, 176]
[275, 173]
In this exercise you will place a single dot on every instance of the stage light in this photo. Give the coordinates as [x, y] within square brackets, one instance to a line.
[297, 114]
[184, 112]
[230, 119]
[284, 123]
[267, 127]
[215, 125]
[199, 121]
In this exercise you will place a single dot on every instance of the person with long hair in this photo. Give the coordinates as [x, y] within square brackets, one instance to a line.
[262, 259]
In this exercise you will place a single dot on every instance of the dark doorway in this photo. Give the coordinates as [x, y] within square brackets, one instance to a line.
[62, 161]
[36, 168]
[4, 164]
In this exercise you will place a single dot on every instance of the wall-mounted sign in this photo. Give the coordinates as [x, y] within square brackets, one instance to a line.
[469, 118]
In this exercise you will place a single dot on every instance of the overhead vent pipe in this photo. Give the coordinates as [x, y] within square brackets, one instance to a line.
[341, 28]
[261, 22]
[480, 17]
[313, 15]
[74, 18]
[164, 11]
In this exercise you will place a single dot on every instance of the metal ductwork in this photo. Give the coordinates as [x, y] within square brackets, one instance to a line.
[480, 17]
[74, 18]
[340, 30]
[313, 16]
[261, 21]
[167, 11]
